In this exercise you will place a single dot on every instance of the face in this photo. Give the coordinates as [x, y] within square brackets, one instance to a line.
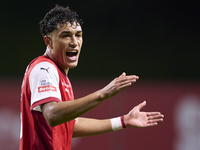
[64, 45]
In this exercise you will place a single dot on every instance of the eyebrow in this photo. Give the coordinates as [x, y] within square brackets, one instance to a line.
[64, 32]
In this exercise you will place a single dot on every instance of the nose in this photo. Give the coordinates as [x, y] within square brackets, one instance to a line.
[74, 41]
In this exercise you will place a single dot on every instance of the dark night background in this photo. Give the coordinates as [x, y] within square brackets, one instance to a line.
[156, 40]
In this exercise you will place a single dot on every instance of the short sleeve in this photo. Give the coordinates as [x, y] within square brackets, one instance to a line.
[44, 84]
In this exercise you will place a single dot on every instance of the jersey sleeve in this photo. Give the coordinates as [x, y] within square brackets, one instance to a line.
[44, 85]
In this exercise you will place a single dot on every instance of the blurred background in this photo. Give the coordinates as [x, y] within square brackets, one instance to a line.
[156, 40]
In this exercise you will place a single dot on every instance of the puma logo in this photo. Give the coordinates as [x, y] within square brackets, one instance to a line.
[45, 69]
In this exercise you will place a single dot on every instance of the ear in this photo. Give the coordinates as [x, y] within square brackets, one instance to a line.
[48, 41]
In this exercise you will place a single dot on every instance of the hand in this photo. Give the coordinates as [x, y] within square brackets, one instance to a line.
[118, 84]
[136, 118]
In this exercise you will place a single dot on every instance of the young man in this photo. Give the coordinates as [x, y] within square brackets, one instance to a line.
[50, 116]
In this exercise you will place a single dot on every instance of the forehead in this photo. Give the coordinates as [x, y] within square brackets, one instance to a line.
[69, 27]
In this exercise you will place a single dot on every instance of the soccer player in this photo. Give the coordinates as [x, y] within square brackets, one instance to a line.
[50, 116]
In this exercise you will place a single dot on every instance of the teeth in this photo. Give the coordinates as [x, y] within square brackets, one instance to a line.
[71, 51]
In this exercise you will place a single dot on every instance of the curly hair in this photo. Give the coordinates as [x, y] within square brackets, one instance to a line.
[58, 16]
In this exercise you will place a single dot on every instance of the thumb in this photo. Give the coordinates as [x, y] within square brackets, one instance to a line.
[123, 74]
[141, 105]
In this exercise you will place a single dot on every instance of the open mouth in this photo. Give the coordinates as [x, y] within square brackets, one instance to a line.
[71, 54]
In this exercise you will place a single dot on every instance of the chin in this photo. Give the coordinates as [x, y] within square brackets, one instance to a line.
[72, 65]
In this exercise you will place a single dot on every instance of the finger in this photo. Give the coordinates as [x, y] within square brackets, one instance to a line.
[124, 85]
[122, 75]
[125, 82]
[151, 124]
[131, 77]
[154, 121]
[154, 115]
[141, 105]
[123, 79]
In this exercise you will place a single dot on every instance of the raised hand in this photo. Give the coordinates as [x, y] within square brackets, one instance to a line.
[139, 119]
[118, 84]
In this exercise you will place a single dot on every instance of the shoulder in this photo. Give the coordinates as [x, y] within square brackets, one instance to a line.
[41, 64]
[43, 67]
[39, 60]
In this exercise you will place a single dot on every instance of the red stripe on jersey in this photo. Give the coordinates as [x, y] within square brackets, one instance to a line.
[46, 100]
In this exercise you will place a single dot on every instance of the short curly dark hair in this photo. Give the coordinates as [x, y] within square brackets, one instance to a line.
[58, 16]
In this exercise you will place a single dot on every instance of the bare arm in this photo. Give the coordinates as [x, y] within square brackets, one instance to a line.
[135, 118]
[89, 127]
[56, 113]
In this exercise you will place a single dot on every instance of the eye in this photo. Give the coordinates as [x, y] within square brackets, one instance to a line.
[78, 35]
[66, 35]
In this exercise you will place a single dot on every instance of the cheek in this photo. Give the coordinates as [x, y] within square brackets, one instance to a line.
[59, 43]
[80, 45]
[81, 42]
[59, 48]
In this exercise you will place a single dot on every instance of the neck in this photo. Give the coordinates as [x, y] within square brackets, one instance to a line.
[65, 70]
